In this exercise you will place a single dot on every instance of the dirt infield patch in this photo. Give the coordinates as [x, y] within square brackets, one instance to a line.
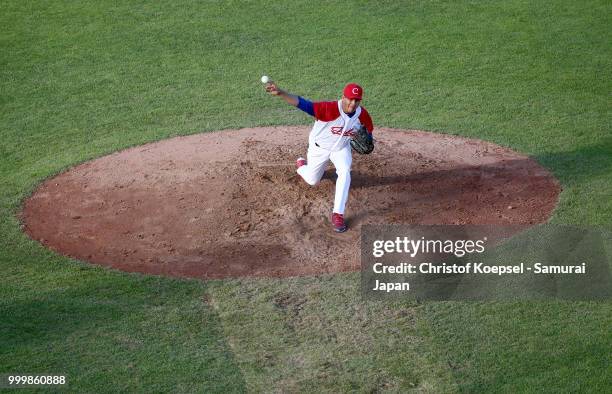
[228, 204]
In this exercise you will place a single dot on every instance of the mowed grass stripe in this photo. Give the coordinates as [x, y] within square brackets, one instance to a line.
[83, 79]
[317, 334]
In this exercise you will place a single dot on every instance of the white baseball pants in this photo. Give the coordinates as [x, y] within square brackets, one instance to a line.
[316, 161]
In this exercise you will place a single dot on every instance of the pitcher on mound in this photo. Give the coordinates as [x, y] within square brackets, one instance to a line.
[335, 124]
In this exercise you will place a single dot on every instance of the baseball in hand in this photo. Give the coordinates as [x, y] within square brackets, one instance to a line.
[265, 79]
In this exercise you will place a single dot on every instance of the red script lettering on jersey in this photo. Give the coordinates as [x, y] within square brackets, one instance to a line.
[338, 131]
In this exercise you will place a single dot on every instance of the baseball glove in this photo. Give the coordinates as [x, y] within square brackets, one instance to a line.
[362, 141]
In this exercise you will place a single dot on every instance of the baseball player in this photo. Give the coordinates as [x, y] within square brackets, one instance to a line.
[335, 124]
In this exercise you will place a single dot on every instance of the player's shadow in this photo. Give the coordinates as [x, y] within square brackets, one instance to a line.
[511, 180]
[576, 166]
[446, 179]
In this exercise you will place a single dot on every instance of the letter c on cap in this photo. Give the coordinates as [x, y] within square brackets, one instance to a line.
[355, 91]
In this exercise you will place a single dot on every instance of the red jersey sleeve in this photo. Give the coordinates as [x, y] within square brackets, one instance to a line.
[326, 111]
[365, 120]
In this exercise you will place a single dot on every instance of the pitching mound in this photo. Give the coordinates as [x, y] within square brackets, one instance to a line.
[229, 203]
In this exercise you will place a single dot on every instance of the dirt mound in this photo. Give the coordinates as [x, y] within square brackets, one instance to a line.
[229, 203]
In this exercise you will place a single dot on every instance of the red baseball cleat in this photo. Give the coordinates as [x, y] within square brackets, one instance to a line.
[300, 162]
[338, 222]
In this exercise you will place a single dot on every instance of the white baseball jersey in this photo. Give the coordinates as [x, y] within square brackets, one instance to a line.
[333, 128]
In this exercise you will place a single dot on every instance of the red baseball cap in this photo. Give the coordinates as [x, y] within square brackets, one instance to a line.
[353, 91]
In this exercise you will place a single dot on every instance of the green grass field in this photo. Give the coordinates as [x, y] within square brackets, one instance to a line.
[82, 79]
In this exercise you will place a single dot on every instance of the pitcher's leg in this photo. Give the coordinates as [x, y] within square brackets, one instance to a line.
[316, 161]
[342, 160]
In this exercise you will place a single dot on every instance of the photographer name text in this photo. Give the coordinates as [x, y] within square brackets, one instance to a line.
[468, 268]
